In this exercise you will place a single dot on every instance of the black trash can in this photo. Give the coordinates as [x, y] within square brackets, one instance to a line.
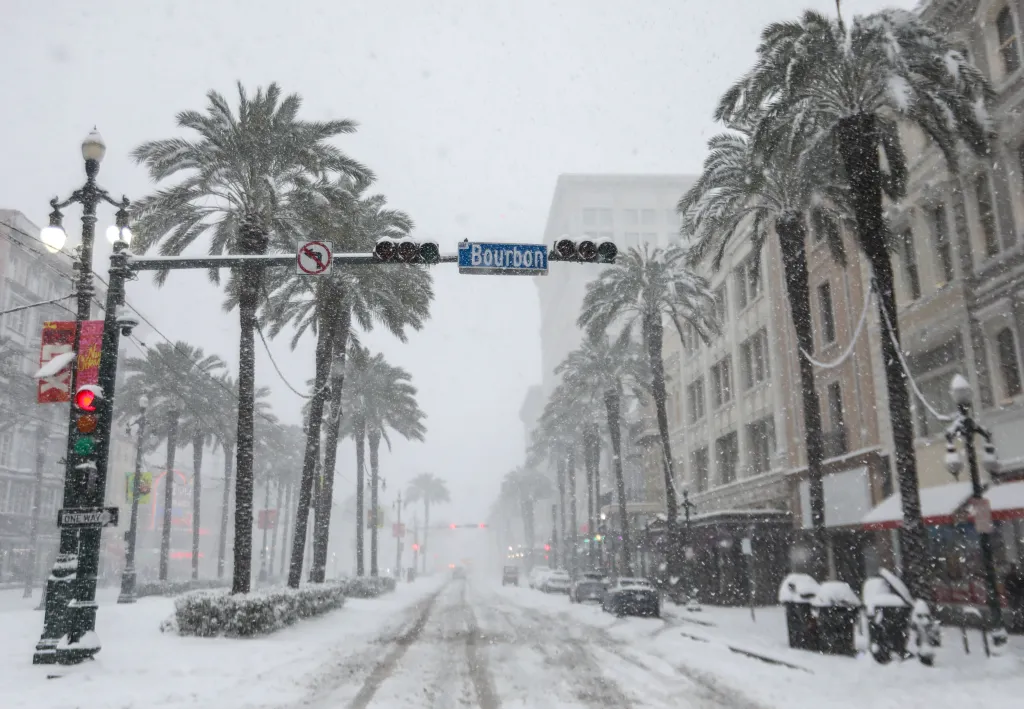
[837, 610]
[888, 616]
[796, 593]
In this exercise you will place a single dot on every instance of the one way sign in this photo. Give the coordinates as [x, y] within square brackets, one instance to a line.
[88, 517]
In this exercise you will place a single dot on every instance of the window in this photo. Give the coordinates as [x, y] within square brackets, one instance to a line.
[604, 217]
[699, 464]
[761, 444]
[909, 259]
[726, 457]
[589, 217]
[631, 217]
[18, 320]
[748, 281]
[1009, 367]
[695, 400]
[835, 438]
[647, 217]
[19, 501]
[986, 215]
[940, 237]
[755, 359]
[935, 389]
[721, 304]
[5, 449]
[1007, 32]
[651, 238]
[672, 218]
[631, 240]
[828, 318]
[721, 382]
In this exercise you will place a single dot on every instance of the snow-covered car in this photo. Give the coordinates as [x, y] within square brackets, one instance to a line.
[631, 596]
[556, 582]
[588, 587]
[536, 577]
[510, 575]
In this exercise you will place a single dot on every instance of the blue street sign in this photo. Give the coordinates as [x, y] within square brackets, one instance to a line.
[503, 259]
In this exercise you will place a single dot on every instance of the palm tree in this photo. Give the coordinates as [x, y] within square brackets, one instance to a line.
[397, 297]
[882, 69]
[378, 396]
[602, 368]
[523, 487]
[430, 490]
[178, 379]
[247, 179]
[742, 194]
[643, 288]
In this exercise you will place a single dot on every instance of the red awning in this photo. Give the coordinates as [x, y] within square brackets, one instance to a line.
[938, 506]
[1007, 500]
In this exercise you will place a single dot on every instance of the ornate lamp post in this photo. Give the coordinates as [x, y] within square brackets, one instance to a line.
[70, 605]
[128, 577]
[965, 427]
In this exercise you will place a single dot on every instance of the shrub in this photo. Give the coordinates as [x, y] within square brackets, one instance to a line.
[370, 586]
[176, 588]
[212, 613]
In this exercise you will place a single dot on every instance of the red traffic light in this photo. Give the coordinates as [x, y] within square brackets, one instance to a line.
[415, 547]
[547, 547]
[86, 399]
[453, 526]
[483, 526]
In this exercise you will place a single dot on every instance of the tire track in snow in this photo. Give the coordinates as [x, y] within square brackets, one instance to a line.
[478, 672]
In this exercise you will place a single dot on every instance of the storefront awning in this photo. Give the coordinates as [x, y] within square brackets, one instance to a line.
[938, 505]
[1007, 500]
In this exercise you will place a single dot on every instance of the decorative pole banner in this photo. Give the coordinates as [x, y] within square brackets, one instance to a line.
[59, 338]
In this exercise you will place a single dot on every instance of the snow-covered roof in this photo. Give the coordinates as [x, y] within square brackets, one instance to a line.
[1007, 500]
[938, 504]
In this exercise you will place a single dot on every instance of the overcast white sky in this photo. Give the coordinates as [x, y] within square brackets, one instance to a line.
[469, 110]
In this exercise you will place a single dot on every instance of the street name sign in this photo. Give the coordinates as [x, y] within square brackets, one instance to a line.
[503, 259]
[87, 517]
[313, 258]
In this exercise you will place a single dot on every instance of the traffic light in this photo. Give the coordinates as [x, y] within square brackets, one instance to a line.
[87, 400]
[415, 547]
[453, 526]
[406, 250]
[587, 250]
[547, 547]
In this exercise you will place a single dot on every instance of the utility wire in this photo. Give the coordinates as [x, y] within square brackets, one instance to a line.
[36, 305]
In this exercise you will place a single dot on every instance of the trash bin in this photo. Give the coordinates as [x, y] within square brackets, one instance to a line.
[888, 620]
[837, 610]
[796, 593]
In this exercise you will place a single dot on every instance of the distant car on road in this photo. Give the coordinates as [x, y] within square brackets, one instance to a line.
[510, 575]
[630, 596]
[556, 582]
[459, 573]
[588, 587]
[536, 577]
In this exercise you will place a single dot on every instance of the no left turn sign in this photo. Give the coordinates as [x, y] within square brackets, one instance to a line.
[313, 258]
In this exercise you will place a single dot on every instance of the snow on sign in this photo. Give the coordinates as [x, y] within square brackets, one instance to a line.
[503, 259]
[313, 258]
[88, 517]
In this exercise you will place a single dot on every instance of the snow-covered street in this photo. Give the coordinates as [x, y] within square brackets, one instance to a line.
[440, 643]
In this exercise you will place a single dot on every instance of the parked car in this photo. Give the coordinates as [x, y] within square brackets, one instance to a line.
[536, 577]
[510, 575]
[588, 587]
[556, 582]
[631, 596]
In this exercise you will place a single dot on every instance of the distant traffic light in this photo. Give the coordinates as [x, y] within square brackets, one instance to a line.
[415, 547]
[547, 547]
[453, 526]
[406, 250]
[587, 250]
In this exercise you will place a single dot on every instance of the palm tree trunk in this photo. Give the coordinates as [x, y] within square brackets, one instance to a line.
[426, 528]
[374, 471]
[858, 146]
[225, 504]
[612, 404]
[324, 348]
[287, 525]
[197, 491]
[253, 241]
[653, 337]
[322, 525]
[165, 539]
[360, 436]
[561, 553]
[792, 236]
[574, 539]
[591, 459]
[277, 525]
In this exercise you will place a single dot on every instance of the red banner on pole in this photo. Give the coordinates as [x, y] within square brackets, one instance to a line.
[59, 338]
[267, 519]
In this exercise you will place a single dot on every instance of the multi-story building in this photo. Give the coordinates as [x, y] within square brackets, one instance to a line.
[33, 436]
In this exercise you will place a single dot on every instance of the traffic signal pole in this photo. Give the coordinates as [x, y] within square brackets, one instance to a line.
[69, 625]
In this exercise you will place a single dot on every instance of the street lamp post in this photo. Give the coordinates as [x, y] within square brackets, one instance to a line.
[965, 427]
[688, 507]
[70, 605]
[128, 577]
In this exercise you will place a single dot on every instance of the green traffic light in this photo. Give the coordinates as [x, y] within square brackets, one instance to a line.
[85, 445]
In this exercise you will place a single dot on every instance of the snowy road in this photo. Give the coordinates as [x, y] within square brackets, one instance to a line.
[475, 645]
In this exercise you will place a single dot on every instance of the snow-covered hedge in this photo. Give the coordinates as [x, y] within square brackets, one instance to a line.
[211, 613]
[370, 586]
[176, 588]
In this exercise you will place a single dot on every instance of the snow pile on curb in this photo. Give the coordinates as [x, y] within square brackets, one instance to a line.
[369, 586]
[176, 588]
[208, 614]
